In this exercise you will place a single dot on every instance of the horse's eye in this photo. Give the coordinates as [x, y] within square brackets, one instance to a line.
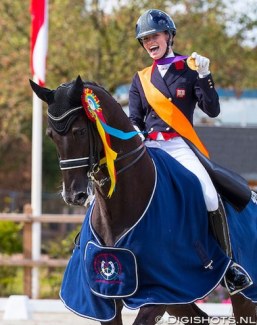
[79, 131]
[49, 132]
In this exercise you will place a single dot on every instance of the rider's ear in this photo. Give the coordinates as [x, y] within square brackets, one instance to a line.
[76, 90]
[44, 94]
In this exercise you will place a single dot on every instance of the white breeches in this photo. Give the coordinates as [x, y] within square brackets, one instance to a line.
[179, 150]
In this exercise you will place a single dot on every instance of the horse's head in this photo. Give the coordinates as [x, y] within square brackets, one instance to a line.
[68, 127]
[72, 127]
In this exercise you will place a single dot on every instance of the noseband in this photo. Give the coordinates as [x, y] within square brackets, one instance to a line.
[74, 163]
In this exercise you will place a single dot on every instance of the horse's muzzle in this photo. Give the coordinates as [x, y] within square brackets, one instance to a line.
[78, 198]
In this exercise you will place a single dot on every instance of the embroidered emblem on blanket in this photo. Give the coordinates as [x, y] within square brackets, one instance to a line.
[107, 268]
[111, 271]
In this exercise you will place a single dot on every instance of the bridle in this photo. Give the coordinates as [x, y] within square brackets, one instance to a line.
[94, 163]
[97, 167]
[66, 164]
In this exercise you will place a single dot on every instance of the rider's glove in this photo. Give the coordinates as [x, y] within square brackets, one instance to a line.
[202, 63]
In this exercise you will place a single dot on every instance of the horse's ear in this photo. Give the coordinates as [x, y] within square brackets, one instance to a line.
[45, 94]
[76, 90]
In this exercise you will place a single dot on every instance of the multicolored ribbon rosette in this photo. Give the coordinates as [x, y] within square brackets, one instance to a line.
[94, 112]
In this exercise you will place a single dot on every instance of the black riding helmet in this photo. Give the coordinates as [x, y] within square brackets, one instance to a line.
[154, 21]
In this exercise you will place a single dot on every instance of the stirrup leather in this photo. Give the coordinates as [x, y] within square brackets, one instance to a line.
[219, 226]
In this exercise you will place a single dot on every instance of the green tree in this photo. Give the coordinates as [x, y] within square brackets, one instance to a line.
[10, 243]
[202, 27]
[15, 113]
[10, 237]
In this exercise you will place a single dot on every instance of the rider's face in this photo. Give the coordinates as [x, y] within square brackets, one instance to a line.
[156, 44]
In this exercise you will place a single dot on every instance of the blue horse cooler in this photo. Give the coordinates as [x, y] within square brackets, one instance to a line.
[168, 256]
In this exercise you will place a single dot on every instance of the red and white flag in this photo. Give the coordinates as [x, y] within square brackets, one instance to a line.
[39, 39]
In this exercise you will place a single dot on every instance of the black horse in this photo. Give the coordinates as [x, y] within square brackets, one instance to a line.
[100, 154]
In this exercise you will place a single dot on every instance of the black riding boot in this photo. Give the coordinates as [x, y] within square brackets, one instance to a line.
[236, 279]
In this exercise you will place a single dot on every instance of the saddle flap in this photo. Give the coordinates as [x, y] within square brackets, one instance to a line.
[111, 272]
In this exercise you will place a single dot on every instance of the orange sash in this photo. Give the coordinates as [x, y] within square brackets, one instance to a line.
[169, 112]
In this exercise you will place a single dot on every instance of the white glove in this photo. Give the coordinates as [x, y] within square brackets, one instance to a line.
[202, 63]
[139, 133]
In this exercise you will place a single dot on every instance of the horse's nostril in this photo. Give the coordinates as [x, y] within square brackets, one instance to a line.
[80, 198]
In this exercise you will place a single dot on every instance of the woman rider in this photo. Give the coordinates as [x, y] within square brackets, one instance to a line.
[184, 88]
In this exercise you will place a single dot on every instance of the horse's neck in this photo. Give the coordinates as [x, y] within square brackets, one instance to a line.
[114, 216]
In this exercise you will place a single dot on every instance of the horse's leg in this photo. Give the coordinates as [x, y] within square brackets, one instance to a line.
[118, 318]
[244, 310]
[149, 315]
[191, 313]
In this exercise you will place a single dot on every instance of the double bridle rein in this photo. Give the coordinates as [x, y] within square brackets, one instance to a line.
[93, 161]
[66, 164]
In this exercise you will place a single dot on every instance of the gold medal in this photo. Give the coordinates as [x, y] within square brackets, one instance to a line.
[191, 63]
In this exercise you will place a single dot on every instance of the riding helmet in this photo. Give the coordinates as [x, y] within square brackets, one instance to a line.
[154, 21]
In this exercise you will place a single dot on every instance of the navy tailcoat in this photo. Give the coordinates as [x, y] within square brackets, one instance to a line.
[183, 87]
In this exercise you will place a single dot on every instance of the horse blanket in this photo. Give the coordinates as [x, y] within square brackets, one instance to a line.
[168, 257]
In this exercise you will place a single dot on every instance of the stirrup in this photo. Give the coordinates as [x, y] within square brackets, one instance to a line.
[231, 291]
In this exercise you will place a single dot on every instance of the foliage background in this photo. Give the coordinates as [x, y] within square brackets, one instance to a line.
[84, 39]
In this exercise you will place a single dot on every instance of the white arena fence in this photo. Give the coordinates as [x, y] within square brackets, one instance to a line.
[25, 308]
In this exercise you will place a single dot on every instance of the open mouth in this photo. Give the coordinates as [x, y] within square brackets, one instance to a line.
[153, 49]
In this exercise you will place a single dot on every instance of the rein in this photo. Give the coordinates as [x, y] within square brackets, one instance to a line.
[92, 174]
[66, 164]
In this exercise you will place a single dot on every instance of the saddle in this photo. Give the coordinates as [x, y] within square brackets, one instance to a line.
[230, 185]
